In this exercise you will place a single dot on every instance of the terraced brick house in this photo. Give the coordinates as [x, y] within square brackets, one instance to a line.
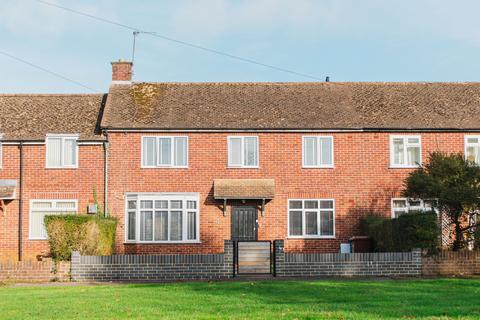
[185, 166]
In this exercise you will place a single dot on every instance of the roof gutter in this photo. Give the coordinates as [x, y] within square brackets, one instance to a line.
[286, 130]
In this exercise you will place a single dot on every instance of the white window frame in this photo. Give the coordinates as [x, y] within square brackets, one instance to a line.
[405, 154]
[318, 210]
[63, 137]
[319, 152]
[229, 158]
[184, 196]
[408, 207]
[172, 152]
[53, 209]
[466, 145]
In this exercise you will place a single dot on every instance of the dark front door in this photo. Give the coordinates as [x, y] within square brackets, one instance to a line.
[244, 223]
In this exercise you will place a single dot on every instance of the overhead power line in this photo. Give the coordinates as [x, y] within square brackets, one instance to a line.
[31, 64]
[185, 43]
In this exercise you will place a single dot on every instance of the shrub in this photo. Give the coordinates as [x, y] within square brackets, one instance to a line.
[91, 235]
[413, 230]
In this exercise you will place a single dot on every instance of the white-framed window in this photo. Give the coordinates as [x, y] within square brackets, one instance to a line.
[405, 151]
[162, 218]
[164, 152]
[472, 149]
[243, 151]
[402, 206]
[40, 208]
[317, 151]
[311, 218]
[62, 151]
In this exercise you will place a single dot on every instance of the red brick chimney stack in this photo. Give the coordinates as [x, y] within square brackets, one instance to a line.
[121, 71]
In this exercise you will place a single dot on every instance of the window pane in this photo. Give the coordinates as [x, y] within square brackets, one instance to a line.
[310, 151]
[326, 149]
[311, 204]
[398, 151]
[399, 203]
[146, 226]
[471, 152]
[191, 226]
[191, 204]
[235, 151]
[68, 205]
[37, 228]
[295, 204]
[176, 204]
[70, 153]
[131, 225]
[414, 203]
[161, 204]
[176, 225]
[311, 223]
[40, 205]
[161, 225]
[54, 152]
[326, 204]
[149, 151]
[165, 151]
[180, 151]
[413, 140]
[413, 155]
[472, 140]
[146, 204]
[132, 204]
[251, 151]
[295, 223]
[326, 223]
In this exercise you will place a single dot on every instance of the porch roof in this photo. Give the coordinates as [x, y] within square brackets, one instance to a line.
[8, 189]
[244, 188]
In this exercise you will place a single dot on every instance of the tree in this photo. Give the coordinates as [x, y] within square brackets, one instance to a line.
[455, 183]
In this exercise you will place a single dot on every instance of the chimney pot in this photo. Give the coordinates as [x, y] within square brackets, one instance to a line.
[122, 70]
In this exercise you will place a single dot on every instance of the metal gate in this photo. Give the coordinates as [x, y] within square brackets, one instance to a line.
[253, 257]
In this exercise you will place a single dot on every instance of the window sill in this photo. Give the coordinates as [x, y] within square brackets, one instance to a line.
[232, 167]
[161, 242]
[404, 167]
[37, 239]
[57, 168]
[310, 237]
[161, 167]
[318, 167]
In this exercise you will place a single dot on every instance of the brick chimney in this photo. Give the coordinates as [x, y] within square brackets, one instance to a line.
[121, 71]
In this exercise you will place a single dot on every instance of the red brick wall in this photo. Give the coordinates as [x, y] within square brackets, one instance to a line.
[34, 271]
[41, 183]
[448, 263]
[361, 182]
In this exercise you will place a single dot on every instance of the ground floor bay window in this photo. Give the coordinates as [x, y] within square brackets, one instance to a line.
[162, 218]
[311, 218]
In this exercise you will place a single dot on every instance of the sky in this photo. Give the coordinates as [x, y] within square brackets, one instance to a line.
[347, 40]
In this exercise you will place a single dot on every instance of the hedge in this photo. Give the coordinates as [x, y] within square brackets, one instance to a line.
[413, 230]
[91, 235]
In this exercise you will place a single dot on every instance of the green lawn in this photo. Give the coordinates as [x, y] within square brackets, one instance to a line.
[335, 299]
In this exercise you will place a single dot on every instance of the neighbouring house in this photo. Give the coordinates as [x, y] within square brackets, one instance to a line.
[189, 165]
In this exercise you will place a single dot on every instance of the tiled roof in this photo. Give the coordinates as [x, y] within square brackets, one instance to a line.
[32, 116]
[293, 106]
[244, 188]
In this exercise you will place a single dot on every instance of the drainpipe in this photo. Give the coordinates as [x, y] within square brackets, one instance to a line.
[106, 146]
[20, 203]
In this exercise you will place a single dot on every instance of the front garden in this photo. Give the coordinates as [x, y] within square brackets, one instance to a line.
[332, 299]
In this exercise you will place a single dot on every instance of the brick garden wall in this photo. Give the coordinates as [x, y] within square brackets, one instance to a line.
[388, 264]
[449, 263]
[165, 267]
[32, 270]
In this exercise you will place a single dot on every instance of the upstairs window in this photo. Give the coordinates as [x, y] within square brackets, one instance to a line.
[405, 151]
[62, 151]
[472, 149]
[168, 152]
[243, 151]
[40, 208]
[318, 152]
[402, 206]
[311, 218]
